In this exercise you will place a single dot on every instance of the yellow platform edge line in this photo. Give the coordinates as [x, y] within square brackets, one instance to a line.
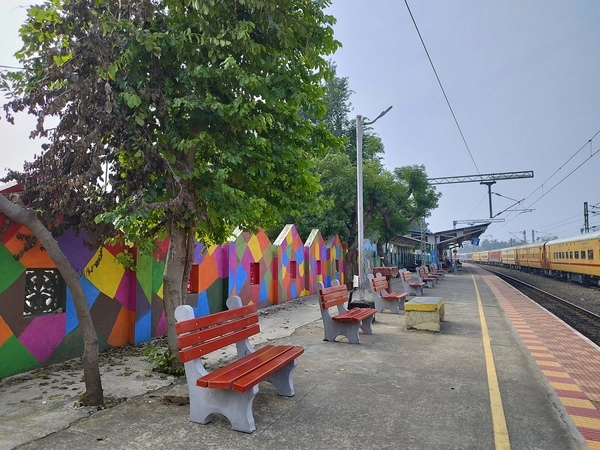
[501, 438]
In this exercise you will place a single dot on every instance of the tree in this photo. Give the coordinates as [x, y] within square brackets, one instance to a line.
[391, 200]
[195, 107]
[410, 198]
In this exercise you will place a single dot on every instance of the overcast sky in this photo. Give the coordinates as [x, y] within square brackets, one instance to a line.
[523, 80]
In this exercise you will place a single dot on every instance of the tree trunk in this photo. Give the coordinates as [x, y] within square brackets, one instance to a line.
[351, 267]
[381, 253]
[93, 395]
[175, 280]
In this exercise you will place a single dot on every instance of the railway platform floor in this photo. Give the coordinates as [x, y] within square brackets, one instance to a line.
[501, 373]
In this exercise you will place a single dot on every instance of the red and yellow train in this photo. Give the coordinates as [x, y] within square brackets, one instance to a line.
[576, 258]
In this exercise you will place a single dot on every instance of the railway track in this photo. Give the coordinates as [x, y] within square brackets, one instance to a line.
[581, 319]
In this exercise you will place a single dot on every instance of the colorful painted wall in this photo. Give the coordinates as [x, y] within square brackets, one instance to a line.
[208, 287]
[335, 266]
[251, 271]
[315, 259]
[126, 305]
[288, 254]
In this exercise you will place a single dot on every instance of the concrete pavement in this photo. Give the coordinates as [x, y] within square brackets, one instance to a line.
[398, 389]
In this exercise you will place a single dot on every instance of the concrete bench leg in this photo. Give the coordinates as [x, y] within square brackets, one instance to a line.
[283, 381]
[393, 305]
[365, 325]
[237, 407]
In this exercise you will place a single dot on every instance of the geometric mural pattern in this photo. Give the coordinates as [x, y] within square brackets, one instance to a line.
[288, 250]
[315, 259]
[251, 269]
[127, 307]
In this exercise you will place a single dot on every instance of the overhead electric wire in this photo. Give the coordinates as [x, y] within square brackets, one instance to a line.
[563, 164]
[441, 87]
[567, 176]
[592, 154]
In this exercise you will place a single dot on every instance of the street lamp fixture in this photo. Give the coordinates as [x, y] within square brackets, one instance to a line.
[360, 123]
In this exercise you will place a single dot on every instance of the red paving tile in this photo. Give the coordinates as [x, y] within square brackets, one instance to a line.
[570, 361]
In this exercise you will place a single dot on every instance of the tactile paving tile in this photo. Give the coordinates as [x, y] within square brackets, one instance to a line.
[570, 362]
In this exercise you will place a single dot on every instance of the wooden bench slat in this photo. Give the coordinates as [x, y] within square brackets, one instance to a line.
[355, 314]
[197, 351]
[211, 319]
[267, 369]
[201, 335]
[333, 296]
[246, 360]
[395, 295]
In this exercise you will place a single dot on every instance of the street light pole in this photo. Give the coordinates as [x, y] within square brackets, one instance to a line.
[360, 123]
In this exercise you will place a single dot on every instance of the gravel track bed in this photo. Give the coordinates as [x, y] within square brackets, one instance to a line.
[582, 296]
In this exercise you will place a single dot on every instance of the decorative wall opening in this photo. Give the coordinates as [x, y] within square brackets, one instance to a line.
[293, 269]
[45, 292]
[254, 273]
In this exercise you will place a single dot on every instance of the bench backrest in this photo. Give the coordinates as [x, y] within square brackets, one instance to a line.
[333, 296]
[200, 336]
[406, 275]
[379, 283]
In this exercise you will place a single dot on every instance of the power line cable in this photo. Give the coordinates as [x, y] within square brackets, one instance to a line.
[592, 154]
[565, 163]
[441, 87]
[567, 176]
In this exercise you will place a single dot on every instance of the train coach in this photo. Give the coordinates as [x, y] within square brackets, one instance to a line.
[576, 258]
[530, 256]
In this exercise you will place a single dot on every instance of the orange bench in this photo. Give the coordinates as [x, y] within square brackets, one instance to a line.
[231, 389]
[383, 298]
[346, 322]
[411, 287]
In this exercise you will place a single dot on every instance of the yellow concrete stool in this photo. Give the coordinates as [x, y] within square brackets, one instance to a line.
[424, 313]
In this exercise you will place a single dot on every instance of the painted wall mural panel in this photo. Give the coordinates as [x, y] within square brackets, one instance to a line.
[250, 268]
[335, 265]
[315, 259]
[289, 267]
[126, 305]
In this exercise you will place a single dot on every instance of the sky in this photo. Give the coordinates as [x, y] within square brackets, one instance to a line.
[522, 83]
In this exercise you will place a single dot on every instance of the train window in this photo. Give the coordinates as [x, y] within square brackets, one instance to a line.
[590, 254]
[570, 255]
[576, 255]
[583, 254]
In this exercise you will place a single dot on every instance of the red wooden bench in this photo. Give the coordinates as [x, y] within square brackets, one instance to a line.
[437, 276]
[346, 322]
[383, 298]
[231, 389]
[435, 270]
[425, 278]
[411, 287]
